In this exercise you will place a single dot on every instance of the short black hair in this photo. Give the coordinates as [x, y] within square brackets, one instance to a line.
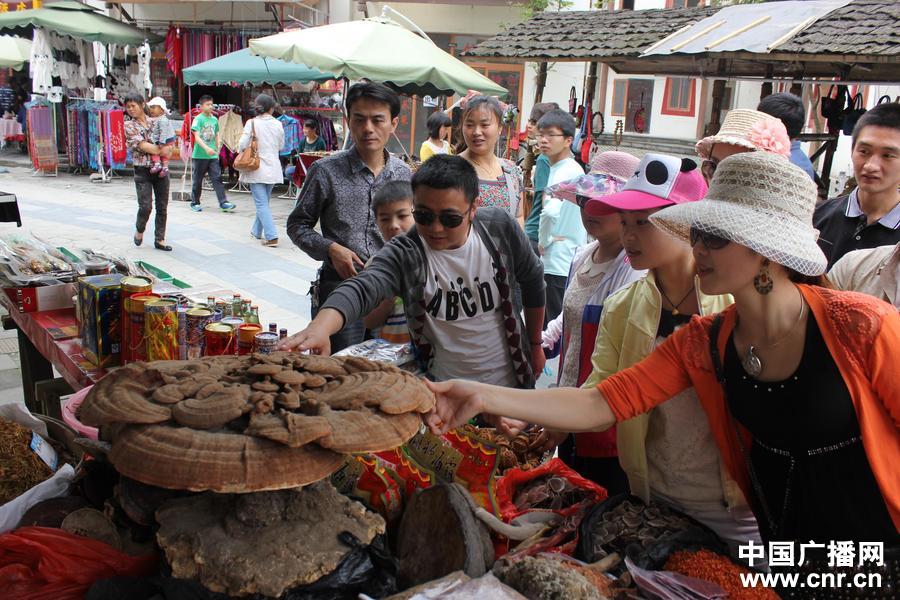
[265, 103]
[883, 115]
[312, 124]
[435, 121]
[489, 103]
[205, 98]
[133, 96]
[390, 192]
[786, 107]
[558, 118]
[444, 172]
[376, 92]
[541, 109]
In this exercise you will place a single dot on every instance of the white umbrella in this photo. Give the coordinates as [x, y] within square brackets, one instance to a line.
[14, 51]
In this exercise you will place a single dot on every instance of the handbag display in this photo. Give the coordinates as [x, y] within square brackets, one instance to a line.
[248, 159]
[832, 108]
[855, 110]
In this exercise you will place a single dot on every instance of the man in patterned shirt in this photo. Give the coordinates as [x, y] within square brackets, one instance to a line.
[337, 194]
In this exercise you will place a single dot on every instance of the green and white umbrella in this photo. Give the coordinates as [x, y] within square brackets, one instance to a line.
[14, 51]
[378, 49]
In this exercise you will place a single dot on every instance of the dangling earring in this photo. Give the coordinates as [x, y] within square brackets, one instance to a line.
[763, 281]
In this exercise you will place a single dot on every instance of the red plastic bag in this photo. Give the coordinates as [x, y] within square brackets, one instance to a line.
[509, 484]
[42, 563]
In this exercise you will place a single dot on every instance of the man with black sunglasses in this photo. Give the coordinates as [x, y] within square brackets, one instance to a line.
[455, 272]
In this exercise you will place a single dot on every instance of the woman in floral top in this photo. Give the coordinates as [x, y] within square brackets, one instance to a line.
[499, 180]
[150, 186]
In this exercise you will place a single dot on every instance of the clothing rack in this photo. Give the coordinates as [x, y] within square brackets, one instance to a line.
[41, 121]
[96, 141]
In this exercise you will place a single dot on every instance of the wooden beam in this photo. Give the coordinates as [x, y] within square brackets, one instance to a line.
[712, 128]
[540, 83]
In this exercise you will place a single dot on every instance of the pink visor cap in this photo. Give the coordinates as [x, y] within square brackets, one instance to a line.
[659, 180]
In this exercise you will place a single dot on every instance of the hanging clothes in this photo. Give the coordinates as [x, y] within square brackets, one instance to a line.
[292, 134]
[41, 136]
[231, 127]
[174, 50]
[41, 63]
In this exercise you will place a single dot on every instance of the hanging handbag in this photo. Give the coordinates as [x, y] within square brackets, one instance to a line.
[854, 111]
[248, 159]
[587, 140]
[885, 100]
[581, 132]
[573, 101]
[832, 108]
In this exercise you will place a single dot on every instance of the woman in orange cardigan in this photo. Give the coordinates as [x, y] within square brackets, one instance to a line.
[799, 382]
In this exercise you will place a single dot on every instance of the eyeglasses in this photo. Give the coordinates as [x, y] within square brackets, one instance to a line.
[708, 168]
[712, 242]
[448, 220]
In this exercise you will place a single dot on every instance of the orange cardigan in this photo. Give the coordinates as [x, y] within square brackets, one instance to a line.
[863, 336]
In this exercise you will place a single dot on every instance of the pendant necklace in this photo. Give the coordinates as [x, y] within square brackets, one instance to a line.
[675, 311]
[751, 361]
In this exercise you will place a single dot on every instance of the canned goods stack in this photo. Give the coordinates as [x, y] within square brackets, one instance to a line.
[134, 347]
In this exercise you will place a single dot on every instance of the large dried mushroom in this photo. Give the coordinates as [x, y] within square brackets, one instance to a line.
[251, 423]
[263, 543]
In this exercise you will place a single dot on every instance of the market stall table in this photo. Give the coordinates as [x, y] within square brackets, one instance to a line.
[9, 128]
[48, 340]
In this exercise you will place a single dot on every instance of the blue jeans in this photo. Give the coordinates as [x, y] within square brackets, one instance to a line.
[201, 167]
[263, 225]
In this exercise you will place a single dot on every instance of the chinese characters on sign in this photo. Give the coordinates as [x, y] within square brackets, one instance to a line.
[840, 553]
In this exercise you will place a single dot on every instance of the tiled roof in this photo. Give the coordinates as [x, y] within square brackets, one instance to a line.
[868, 27]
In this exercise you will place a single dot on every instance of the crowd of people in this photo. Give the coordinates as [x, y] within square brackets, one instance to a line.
[724, 336]
[707, 359]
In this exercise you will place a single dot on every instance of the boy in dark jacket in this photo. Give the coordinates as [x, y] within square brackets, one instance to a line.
[454, 272]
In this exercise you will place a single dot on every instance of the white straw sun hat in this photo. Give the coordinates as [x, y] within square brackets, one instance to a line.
[760, 201]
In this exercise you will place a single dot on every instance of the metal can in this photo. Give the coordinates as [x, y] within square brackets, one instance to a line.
[235, 322]
[247, 337]
[161, 329]
[219, 339]
[282, 333]
[130, 287]
[266, 342]
[134, 347]
[182, 330]
[196, 321]
[273, 327]
[96, 267]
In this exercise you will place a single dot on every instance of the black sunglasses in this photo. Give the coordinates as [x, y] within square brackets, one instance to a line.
[708, 168]
[713, 242]
[448, 220]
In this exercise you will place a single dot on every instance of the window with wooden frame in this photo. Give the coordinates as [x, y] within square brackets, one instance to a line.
[684, 3]
[619, 98]
[680, 97]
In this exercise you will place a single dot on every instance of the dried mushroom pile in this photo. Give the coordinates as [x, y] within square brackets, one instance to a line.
[631, 523]
[20, 469]
[262, 543]
[251, 423]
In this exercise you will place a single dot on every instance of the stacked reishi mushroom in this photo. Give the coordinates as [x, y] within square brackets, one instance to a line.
[251, 423]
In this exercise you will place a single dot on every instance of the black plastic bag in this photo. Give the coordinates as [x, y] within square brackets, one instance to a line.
[653, 556]
[365, 569]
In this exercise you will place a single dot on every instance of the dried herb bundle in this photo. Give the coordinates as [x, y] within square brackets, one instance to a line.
[20, 468]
